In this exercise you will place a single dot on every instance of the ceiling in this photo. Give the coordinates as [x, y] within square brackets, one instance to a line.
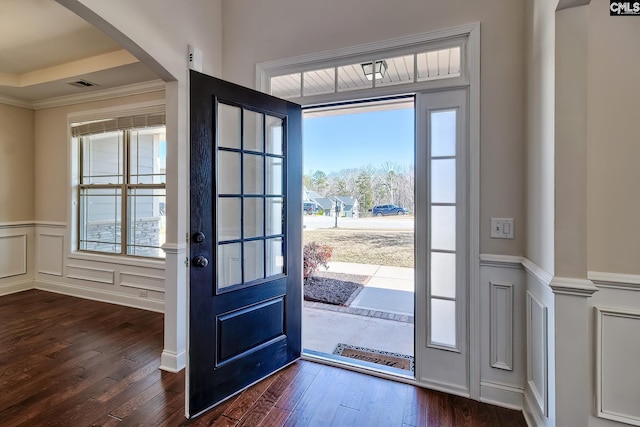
[44, 47]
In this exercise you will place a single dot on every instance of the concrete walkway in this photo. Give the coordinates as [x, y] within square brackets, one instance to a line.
[390, 289]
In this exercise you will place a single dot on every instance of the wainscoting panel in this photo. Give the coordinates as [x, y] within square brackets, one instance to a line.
[91, 274]
[13, 261]
[502, 320]
[50, 253]
[147, 282]
[502, 325]
[537, 352]
[617, 376]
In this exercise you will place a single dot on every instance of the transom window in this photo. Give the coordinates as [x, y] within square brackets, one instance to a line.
[368, 74]
[122, 186]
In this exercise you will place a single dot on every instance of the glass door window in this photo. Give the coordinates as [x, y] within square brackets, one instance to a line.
[251, 181]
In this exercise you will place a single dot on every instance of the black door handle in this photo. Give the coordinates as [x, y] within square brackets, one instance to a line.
[200, 261]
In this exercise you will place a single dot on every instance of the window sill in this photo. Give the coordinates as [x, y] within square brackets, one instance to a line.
[122, 260]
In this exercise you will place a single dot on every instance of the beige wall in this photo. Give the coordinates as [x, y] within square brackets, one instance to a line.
[260, 31]
[614, 142]
[540, 128]
[52, 155]
[16, 164]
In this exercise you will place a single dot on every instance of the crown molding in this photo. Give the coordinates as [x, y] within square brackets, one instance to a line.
[99, 95]
[15, 102]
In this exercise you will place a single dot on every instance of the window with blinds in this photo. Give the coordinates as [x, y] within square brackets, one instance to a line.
[122, 185]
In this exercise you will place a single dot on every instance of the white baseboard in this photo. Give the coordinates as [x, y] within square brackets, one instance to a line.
[502, 395]
[16, 286]
[100, 295]
[173, 362]
[530, 412]
[444, 387]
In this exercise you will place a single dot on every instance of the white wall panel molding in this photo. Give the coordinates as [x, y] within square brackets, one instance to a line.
[14, 255]
[503, 395]
[32, 223]
[101, 295]
[501, 261]
[142, 281]
[530, 411]
[50, 250]
[573, 286]
[16, 286]
[501, 333]
[538, 272]
[157, 265]
[617, 347]
[91, 274]
[627, 282]
[537, 353]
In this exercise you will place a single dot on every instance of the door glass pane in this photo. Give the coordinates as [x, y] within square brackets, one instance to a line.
[274, 215]
[443, 227]
[443, 274]
[228, 218]
[274, 175]
[253, 131]
[443, 181]
[443, 322]
[229, 265]
[253, 217]
[228, 172]
[253, 174]
[275, 258]
[443, 133]
[229, 130]
[253, 260]
[273, 138]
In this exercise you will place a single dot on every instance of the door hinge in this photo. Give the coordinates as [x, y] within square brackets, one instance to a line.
[187, 237]
[186, 262]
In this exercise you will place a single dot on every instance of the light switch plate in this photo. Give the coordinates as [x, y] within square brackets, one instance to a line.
[502, 228]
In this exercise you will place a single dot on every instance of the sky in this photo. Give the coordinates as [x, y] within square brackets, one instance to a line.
[334, 143]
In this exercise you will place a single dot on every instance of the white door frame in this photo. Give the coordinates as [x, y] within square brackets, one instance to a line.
[466, 36]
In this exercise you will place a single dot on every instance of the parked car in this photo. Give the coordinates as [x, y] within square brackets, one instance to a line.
[380, 210]
[310, 208]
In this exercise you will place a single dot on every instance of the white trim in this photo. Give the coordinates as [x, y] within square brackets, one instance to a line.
[507, 363]
[529, 410]
[171, 361]
[139, 285]
[445, 387]
[538, 272]
[15, 102]
[501, 261]
[32, 223]
[111, 273]
[541, 397]
[174, 248]
[573, 286]
[14, 287]
[600, 411]
[118, 259]
[25, 255]
[504, 395]
[627, 282]
[100, 95]
[94, 294]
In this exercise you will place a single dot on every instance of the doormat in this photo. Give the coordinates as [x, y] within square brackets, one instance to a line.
[385, 358]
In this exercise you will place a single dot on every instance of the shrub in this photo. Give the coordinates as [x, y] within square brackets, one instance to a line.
[315, 255]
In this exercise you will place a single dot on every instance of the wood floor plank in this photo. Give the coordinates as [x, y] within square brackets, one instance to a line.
[65, 361]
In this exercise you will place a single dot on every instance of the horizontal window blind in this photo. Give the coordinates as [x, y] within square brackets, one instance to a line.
[120, 123]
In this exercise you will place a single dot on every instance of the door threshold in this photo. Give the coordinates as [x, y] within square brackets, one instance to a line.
[362, 367]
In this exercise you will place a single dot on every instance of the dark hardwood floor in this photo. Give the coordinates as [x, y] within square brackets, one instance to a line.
[66, 361]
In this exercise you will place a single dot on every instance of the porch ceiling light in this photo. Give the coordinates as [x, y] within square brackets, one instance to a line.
[379, 69]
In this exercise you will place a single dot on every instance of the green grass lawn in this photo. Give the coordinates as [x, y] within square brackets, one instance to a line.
[390, 248]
